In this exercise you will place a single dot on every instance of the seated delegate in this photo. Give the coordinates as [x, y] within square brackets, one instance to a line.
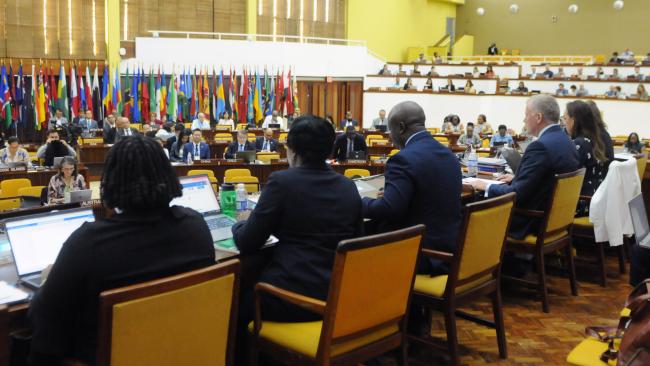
[346, 144]
[53, 135]
[67, 180]
[266, 143]
[13, 153]
[197, 149]
[242, 144]
[144, 240]
[310, 208]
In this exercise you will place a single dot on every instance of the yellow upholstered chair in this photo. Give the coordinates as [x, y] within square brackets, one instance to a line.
[283, 137]
[600, 59]
[373, 137]
[137, 126]
[554, 232]
[441, 139]
[266, 157]
[641, 162]
[348, 334]
[351, 173]
[213, 180]
[393, 152]
[588, 352]
[230, 173]
[252, 137]
[9, 203]
[32, 156]
[485, 143]
[187, 319]
[187, 124]
[475, 271]
[10, 187]
[433, 130]
[242, 126]
[223, 137]
[375, 142]
[32, 191]
[251, 183]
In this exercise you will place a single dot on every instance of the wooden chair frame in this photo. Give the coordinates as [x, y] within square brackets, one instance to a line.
[326, 341]
[5, 350]
[450, 301]
[108, 299]
[540, 249]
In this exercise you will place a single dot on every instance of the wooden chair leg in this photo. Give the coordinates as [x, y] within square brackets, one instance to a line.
[600, 259]
[622, 265]
[253, 355]
[497, 309]
[404, 352]
[452, 336]
[571, 269]
[541, 281]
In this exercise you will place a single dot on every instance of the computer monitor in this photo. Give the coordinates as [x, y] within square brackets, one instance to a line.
[37, 239]
[381, 128]
[640, 221]
[247, 156]
[57, 160]
[197, 195]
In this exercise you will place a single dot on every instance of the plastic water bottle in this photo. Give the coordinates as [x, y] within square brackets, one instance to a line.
[189, 159]
[242, 197]
[472, 163]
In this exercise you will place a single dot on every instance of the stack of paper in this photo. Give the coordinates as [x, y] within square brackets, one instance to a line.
[10, 294]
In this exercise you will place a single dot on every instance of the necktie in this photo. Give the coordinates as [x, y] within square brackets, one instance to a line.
[127, 132]
[196, 150]
[350, 147]
[266, 145]
[241, 147]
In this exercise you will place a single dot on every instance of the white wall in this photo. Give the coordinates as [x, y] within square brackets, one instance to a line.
[488, 86]
[306, 60]
[622, 117]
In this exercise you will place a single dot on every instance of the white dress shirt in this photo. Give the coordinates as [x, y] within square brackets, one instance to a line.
[201, 125]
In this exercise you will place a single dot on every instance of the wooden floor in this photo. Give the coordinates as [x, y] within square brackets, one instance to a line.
[535, 338]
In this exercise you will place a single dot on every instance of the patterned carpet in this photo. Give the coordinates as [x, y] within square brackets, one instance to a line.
[534, 338]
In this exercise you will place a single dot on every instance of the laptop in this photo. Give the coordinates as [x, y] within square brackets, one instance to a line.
[36, 240]
[57, 160]
[199, 196]
[16, 164]
[247, 156]
[640, 221]
[78, 196]
[381, 128]
[512, 157]
[370, 186]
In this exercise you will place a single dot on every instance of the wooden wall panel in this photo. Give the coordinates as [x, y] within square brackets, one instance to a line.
[335, 98]
[333, 28]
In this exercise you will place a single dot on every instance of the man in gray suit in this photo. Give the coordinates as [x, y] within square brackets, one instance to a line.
[58, 121]
[122, 130]
[381, 121]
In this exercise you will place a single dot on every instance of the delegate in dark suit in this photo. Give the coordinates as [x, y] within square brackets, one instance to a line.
[552, 153]
[309, 209]
[191, 148]
[234, 147]
[348, 122]
[268, 145]
[423, 186]
[115, 134]
[342, 142]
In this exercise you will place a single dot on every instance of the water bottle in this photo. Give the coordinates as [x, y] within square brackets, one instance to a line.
[242, 197]
[189, 159]
[472, 163]
[228, 199]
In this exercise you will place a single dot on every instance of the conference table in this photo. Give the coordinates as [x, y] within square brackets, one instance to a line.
[39, 176]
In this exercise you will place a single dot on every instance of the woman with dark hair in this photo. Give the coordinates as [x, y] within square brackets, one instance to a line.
[176, 153]
[66, 181]
[454, 125]
[585, 133]
[144, 240]
[633, 144]
[604, 134]
[310, 208]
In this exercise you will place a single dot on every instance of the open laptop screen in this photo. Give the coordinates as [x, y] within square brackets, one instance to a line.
[639, 220]
[197, 195]
[37, 239]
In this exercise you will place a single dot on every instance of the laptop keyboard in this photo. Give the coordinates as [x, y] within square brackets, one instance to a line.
[219, 223]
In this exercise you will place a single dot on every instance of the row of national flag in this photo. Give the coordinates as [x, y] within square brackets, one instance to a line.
[181, 96]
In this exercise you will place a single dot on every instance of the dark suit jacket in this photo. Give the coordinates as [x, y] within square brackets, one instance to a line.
[423, 186]
[115, 134]
[310, 210]
[552, 153]
[259, 144]
[340, 152]
[344, 123]
[204, 151]
[122, 250]
[234, 146]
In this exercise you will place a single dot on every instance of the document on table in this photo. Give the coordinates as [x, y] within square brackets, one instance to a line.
[487, 181]
[11, 294]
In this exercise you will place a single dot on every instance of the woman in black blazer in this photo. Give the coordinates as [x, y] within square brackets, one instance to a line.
[146, 239]
[310, 208]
